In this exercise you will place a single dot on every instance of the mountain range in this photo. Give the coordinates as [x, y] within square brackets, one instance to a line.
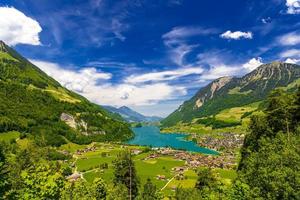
[35, 104]
[229, 92]
[132, 116]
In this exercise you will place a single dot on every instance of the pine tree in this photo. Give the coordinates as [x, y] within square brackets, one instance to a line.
[100, 189]
[206, 179]
[125, 173]
[149, 192]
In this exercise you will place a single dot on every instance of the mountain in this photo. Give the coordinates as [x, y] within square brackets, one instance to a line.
[36, 105]
[230, 92]
[130, 115]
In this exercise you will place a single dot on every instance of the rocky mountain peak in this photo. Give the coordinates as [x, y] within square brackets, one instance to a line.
[218, 84]
[212, 88]
[275, 70]
[3, 46]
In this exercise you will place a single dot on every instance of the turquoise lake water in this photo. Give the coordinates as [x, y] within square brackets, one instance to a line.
[151, 136]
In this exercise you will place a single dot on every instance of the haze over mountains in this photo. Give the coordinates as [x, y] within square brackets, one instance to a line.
[229, 92]
[132, 116]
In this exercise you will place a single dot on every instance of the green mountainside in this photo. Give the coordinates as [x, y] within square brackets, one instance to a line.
[230, 92]
[37, 106]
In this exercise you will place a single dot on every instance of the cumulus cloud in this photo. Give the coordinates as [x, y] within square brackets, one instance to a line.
[293, 6]
[289, 39]
[220, 64]
[163, 75]
[236, 35]
[130, 94]
[17, 28]
[291, 56]
[74, 80]
[97, 87]
[292, 61]
[252, 64]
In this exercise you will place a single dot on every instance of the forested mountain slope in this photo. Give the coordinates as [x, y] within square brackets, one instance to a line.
[230, 92]
[35, 104]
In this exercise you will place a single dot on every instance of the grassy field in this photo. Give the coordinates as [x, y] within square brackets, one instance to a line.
[6, 137]
[235, 114]
[71, 147]
[90, 165]
[227, 115]
[158, 166]
[61, 95]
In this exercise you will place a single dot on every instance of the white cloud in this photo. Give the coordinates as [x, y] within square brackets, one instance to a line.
[218, 71]
[96, 86]
[176, 41]
[181, 33]
[252, 64]
[290, 53]
[178, 53]
[266, 20]
[289, 39]
[17, 28]
[292, 61]
[236, 35]
[74, 80]
[163, 75]
[130, 94]
[293, 6]
[221, 64]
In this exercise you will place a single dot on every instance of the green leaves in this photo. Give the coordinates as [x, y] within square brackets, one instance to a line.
[269, 168]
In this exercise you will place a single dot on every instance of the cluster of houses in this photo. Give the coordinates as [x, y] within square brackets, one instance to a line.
[192, 160]
[85, 150]
[225, 142]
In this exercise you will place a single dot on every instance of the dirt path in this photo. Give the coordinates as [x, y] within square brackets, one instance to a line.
[167, 183]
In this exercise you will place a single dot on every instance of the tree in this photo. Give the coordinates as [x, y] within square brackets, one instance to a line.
[149, 192]
[41, 182]
[78, 190]
[187, 194]
[279, 111]
[118, 192]
[4, 185]
[206, 179]
[125, 173]
[269, 167]
[100, 189]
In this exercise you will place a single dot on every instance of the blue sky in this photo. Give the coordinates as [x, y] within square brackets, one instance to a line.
[150, 55]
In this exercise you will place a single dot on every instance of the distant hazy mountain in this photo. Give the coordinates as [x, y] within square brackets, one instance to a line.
[131, 115]
[229, 92]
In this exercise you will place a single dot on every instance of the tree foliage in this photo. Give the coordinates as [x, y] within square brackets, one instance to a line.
[125, 173]
[269, 167]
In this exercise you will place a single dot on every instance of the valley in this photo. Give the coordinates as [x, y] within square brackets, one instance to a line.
[54, 138]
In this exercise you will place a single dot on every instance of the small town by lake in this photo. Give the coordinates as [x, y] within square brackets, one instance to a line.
[151, 136]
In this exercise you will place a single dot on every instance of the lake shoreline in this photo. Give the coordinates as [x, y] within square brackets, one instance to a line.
[152, 137]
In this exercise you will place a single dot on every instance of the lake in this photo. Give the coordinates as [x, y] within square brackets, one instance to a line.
[151, 136]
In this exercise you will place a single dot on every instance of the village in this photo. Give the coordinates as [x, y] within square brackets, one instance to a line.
[225, 142]
[226, 145]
